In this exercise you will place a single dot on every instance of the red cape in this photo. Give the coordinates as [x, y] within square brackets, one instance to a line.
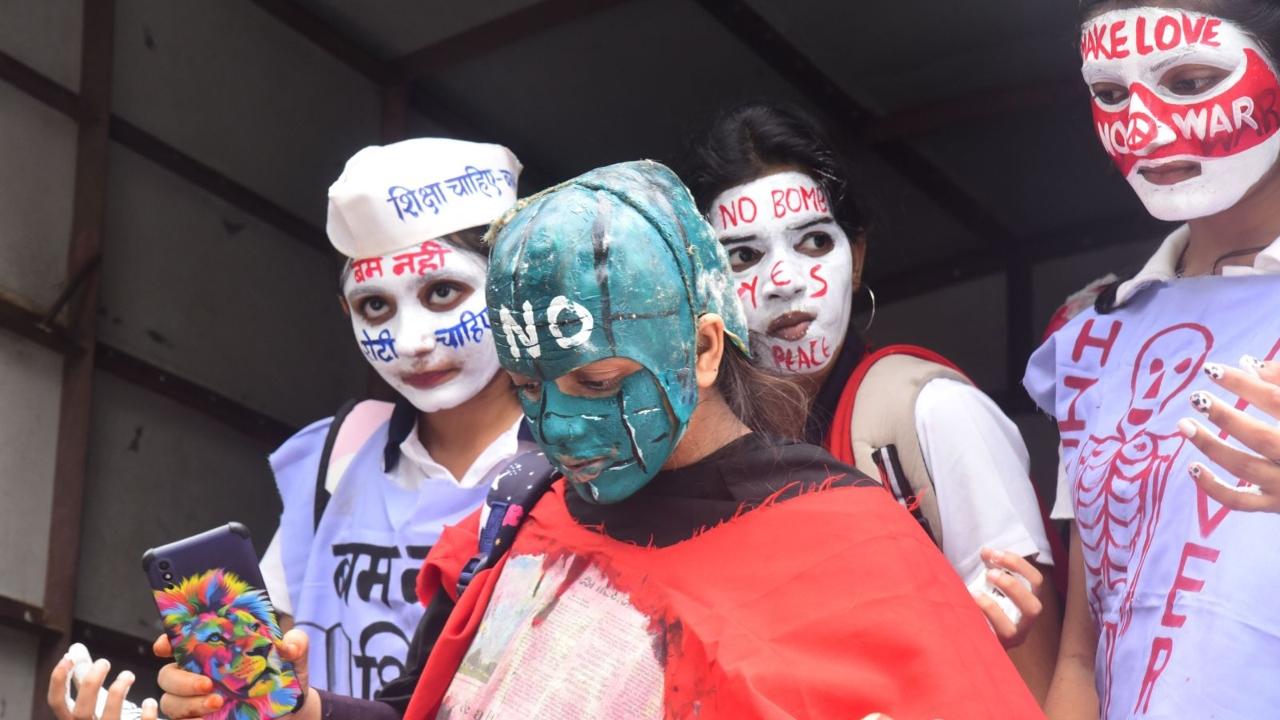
[831, 604]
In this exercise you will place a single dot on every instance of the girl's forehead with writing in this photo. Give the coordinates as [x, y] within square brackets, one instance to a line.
[783, 201]
[1151, 40]
[410, 269]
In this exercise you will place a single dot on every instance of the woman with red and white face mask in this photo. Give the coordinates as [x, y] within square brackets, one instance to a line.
[773, 189]
[1166, 391]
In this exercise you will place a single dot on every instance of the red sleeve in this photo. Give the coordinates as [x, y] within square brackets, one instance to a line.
[457, 544]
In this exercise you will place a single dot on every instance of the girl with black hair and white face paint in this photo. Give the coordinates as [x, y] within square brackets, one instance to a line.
[773, 189]
[367, 493]
[1163, 612]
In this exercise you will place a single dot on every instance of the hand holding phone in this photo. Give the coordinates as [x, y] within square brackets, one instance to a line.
[1007, 591]
[220, 623]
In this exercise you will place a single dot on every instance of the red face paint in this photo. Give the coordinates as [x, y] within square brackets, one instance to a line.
[1196, 123]
[1239, 118]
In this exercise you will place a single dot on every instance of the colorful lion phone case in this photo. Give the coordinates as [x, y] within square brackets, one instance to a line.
[221, 624]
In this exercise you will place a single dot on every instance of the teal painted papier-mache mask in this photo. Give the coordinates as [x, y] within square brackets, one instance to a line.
[615, 263]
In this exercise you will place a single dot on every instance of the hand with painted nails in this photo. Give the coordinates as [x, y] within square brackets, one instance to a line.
[1253, 483]
[91, 702]
[190, 695]
[1019, 582]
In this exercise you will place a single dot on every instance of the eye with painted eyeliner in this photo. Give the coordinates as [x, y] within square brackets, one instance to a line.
[1192, 80]
[528, 388]
[375, 309]
[743, 257]
[815, 244]
[444, 295]
[600, 386]
[1109, 93]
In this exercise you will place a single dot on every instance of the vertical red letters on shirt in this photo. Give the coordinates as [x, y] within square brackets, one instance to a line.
[1185, 583]
[1087, 340]
[1161, 651]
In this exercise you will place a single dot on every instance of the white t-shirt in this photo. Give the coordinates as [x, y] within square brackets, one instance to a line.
[1163, 268]
[980, 468]
[415, 467]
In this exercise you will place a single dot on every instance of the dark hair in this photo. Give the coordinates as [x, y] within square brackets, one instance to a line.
[1259, 18]
[748, 141]
[471, 239]
[768, 404]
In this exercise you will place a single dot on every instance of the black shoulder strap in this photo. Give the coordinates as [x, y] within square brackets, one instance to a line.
[515, 490]
[895, 480]
[1106, 302]
[322, 495]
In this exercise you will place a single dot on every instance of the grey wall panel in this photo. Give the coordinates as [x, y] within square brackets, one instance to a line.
[38, 147]
[1041, 436]
[30, 390]
[419, 125]
[17, 674]
[965, 323]
[1054, 281]
[229, 85]
[193, 285]
[44, 34]
[158, 472]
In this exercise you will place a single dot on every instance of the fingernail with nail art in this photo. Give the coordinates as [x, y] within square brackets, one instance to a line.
[1195, 470]
[1252, 365]
[1214, 370]
[1187, 427]
[1201, 402]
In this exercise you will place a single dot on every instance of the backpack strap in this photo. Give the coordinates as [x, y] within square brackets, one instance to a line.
[874, 426]
[351, 427]
[516, 489]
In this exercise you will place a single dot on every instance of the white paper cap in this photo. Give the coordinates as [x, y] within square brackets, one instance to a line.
[391, 197]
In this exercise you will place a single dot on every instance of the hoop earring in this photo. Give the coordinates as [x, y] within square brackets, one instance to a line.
[870, 293]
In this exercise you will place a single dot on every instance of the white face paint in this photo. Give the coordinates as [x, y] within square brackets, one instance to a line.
[419, 317]
[792, 267]
[1186, 105]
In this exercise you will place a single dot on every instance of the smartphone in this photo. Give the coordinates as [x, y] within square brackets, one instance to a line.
[220, 622]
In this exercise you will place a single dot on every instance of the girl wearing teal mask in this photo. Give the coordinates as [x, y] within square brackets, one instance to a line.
[689, 562]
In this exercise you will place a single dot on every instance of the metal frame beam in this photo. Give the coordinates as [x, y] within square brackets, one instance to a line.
[320, 33]
[88, 222]
[258, 426]
[166, 156]
[396, 77]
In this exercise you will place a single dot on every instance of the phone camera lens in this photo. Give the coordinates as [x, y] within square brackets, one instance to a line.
[164, 564]
[169, 586]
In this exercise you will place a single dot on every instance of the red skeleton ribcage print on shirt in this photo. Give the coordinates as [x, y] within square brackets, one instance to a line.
[1168, 570]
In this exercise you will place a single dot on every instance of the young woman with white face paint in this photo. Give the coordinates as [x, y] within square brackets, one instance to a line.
[410, 218]
[368, 492]
[1162, 617]
[772, 188]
